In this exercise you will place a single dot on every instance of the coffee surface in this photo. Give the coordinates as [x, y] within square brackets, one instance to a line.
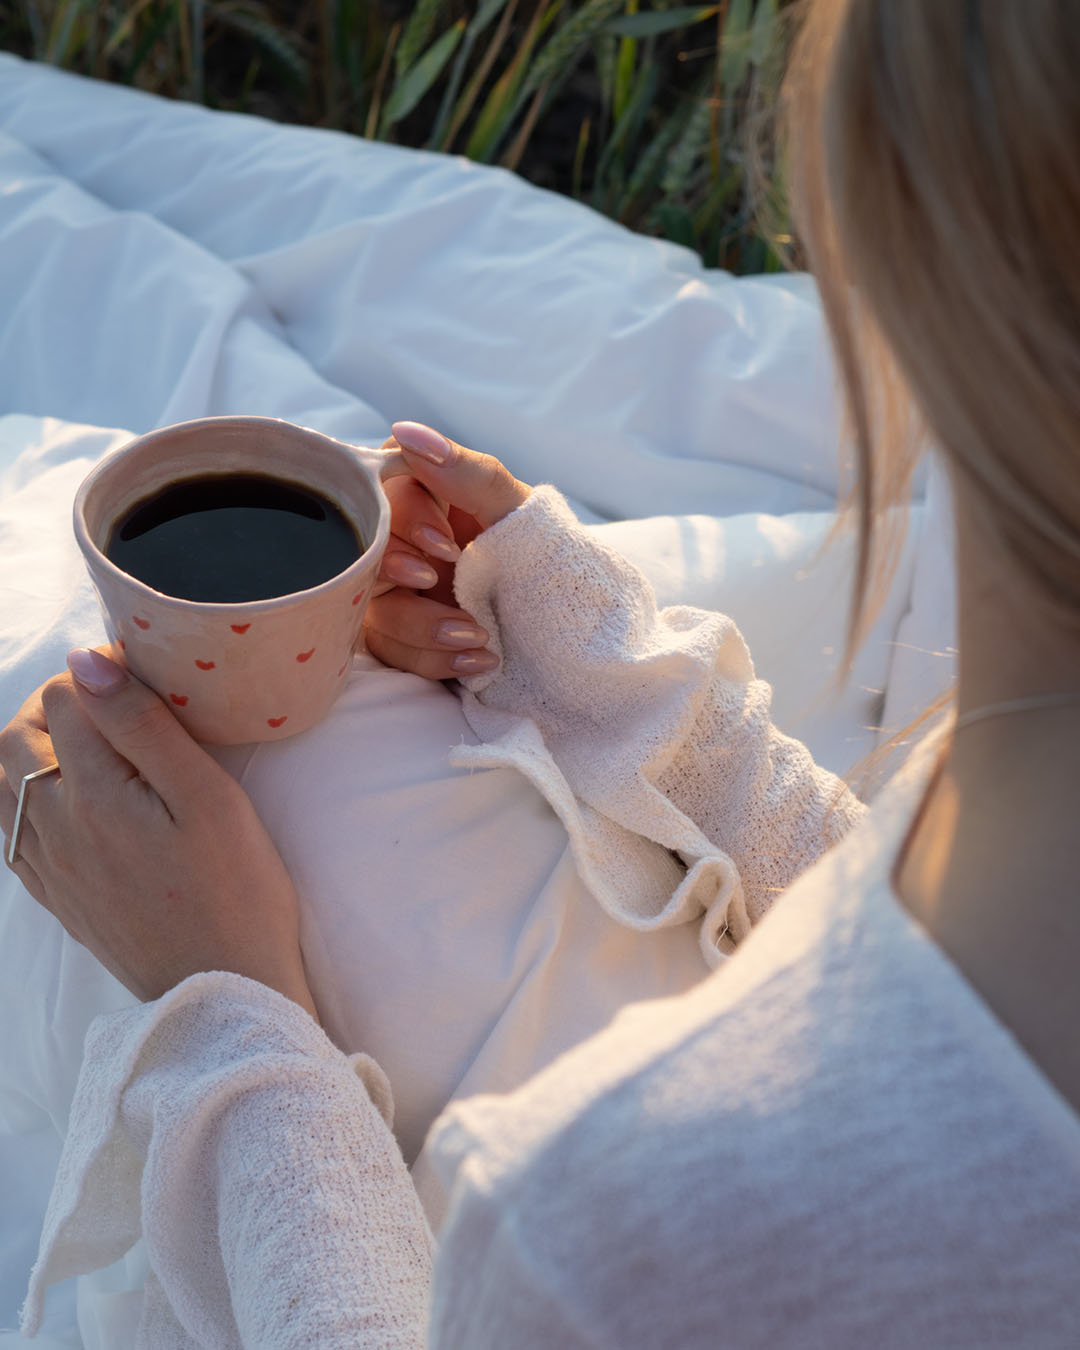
[225, 539]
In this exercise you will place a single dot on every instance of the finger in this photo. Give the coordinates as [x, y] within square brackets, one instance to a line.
[418, 621]
[428, 662]
[140, 729]
[27, 848]
[417, 518]
[27, 874]
[404, 565]
[25, 745]
[88, 762]
[478, 484]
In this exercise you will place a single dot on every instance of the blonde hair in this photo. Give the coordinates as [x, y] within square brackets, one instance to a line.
[935, 187]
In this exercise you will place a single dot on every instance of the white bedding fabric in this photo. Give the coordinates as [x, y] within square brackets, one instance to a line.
[160, 262]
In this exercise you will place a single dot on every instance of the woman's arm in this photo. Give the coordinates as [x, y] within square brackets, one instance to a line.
[654, 719]
[217, 1120]
[221, 1124]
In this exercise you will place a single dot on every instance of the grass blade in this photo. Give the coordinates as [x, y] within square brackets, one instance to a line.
[761, 35]
[415, 35]
[272, 39]
[735, 46]
[566, 45]
[579, 159]
[63, 26]
[485, 15]
[688, 150]
[512, 158]
[504, 100]
[123, 29]
[465, 104]
[606, 57]
[372, 124]
[659, 21]
[651, 163]
[409, 91]
[159, 22]
[198, 52]
[629, 124]
[624, 68]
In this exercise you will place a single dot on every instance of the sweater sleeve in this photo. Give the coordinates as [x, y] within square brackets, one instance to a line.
[251, 1154]
[653, 718]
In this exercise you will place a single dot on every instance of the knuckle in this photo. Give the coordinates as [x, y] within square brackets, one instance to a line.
[146, 724]
[56, 694]
[491, 471]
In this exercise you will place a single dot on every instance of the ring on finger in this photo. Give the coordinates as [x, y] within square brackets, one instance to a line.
[16, 829]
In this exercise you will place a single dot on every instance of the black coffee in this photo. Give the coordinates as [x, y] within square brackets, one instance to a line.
[227, 538]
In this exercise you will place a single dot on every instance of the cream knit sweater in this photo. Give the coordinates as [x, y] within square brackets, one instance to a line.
[828, 1143]
[645, 730]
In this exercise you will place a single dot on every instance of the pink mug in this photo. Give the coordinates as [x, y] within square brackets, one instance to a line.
[256, 670]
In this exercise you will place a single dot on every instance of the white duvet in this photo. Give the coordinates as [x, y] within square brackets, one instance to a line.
[160, 262]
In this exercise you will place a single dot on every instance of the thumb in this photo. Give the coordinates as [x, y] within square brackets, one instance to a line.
[137, 724]
[480, 485]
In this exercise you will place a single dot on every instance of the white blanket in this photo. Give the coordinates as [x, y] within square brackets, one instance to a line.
[160, 262]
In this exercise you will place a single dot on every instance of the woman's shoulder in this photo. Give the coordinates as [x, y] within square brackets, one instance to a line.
[828, 1141]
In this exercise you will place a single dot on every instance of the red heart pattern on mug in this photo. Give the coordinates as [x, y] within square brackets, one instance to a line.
[181, 700]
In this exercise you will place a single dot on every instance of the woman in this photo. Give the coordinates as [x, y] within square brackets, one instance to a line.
[864, 1128]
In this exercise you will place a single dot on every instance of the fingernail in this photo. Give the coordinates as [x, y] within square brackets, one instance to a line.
[454, 633]
[431, 541]
[474, 663]
[422, 440]
[410, 571]
[96, 673]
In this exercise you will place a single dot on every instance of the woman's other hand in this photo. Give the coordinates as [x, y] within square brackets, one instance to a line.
[143, 847]
[453, 495]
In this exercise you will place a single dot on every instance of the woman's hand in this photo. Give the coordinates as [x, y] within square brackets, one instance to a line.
[142, 846]
[454, 493]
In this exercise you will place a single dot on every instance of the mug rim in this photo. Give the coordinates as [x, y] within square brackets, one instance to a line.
[97, 558]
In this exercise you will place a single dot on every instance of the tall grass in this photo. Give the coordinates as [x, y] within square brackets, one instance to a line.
[639, 111]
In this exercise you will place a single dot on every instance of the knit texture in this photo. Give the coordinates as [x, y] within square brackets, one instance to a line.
[645, 729]
[221, 1124]
[829, 1144]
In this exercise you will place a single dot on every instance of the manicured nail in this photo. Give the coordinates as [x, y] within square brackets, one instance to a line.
[474, 663]
[454, 633]
[422, 440]
[96, 673]
[438, 545]
[409, 571]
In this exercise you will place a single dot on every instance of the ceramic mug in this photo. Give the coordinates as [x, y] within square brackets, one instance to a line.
[261, 669]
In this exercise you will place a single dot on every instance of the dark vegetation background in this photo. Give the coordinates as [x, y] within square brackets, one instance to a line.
[641, 110]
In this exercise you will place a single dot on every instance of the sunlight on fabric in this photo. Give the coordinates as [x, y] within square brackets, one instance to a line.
[692, 288]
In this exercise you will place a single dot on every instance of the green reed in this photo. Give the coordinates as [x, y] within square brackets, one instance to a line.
[640, 111]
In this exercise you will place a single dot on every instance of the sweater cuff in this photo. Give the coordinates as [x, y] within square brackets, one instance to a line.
[532, 534]
[203, 1031]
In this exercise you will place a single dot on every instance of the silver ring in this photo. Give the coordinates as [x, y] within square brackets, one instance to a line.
[13, 847]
